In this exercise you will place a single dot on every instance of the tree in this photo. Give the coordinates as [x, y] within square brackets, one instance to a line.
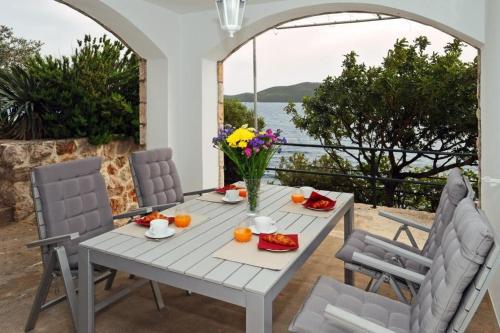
[412, 101]
[93, 93]
[15, 50]
[237, 114]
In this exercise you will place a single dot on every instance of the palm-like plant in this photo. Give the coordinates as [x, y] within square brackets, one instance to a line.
[20, 111]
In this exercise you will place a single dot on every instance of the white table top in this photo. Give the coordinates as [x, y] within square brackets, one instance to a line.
[190, 253]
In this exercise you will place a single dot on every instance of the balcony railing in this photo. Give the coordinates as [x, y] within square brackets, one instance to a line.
[372, 178]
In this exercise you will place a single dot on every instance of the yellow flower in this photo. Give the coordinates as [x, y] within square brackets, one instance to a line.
[241, 134]
[242, 144]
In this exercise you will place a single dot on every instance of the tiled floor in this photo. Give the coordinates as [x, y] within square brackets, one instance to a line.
[20, 270]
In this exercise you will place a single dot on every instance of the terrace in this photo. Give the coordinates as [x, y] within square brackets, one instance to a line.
[195, 313]
[183, 50]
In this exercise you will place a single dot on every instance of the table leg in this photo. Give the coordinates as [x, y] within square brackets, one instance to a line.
[348, 227]
[86, 292]
[259, 316]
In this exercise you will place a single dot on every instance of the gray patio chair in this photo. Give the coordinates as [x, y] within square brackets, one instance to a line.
[71, 205]
[450, 292]
[411, 257]
[156, 180]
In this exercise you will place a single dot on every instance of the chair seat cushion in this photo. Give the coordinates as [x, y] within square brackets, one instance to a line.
[356, 243]
[374, 307]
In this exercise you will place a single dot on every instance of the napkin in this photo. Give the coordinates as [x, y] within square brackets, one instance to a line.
[315, 197]
[222, 190]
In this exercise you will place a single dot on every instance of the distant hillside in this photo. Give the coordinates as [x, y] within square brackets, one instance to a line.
[282, 94]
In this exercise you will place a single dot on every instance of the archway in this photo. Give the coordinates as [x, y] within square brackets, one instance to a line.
[366, 38]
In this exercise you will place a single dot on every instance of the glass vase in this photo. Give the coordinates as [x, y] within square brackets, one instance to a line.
[253, 190]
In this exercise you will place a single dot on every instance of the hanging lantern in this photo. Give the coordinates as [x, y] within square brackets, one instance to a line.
[231, 14]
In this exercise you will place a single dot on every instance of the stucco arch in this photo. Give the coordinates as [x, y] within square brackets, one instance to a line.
[465, 27]
[114, 21]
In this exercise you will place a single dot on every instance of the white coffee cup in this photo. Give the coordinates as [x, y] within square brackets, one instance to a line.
[306, 191]
[263, 223]
[232, 195]
[158, 228]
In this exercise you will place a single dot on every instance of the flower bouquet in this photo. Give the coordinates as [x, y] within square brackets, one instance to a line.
[251, 151]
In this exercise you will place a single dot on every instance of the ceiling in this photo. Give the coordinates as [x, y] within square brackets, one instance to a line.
[188, 6]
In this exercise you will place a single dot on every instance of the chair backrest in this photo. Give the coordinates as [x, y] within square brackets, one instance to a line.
[466, 243]
[71, 197]
[455, 190]
[155, 176]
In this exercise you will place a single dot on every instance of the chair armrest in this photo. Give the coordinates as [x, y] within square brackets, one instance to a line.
[200, 192]
[352, 321]
[398, 251]
[405, 221]
[53, 240]
[383, 266]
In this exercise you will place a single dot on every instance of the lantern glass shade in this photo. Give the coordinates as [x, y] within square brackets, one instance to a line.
[231, 14]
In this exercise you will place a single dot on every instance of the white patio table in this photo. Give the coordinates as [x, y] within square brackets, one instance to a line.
[185, 261]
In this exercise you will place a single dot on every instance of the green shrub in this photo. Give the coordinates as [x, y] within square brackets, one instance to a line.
[94, 93]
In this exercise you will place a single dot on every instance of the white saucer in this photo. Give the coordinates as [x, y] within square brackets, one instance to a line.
[240, 199]
[170, 232]
[271, 230]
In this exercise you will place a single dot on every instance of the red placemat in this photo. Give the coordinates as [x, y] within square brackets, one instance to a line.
[264, 245]
[315, 198]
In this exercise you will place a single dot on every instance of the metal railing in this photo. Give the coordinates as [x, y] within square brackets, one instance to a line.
[373, 177]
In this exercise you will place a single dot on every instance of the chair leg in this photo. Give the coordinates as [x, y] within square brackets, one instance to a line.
[69, 285]
[411, 238]
[369, 286]
[109, 281]
[376, 283]
[157, 295]
[41, 294]
[398, 233]
[397, 290]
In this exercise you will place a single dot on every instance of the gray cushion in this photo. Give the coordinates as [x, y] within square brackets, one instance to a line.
[455, 190]
[156, 178]
[356, 243]
[74, 199]
[467, 241]
[465, 245]
[379, 309]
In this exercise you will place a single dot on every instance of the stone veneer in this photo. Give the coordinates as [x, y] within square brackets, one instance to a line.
[17, 158]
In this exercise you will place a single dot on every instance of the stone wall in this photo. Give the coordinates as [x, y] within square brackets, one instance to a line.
[17, 158]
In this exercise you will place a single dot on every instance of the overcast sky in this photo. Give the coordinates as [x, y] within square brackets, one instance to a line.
[284, 57]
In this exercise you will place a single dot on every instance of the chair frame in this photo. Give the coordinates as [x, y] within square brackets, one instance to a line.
[55, 264]
[469, 303]
[471, 299]
[378, 274]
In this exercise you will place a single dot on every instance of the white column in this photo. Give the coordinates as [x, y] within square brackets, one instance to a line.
[490, 123]
[157, 131]
[209, 92]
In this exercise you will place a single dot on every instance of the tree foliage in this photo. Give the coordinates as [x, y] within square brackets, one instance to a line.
[93, 93]
[237, 114]
[15, 50]
[413, 101]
